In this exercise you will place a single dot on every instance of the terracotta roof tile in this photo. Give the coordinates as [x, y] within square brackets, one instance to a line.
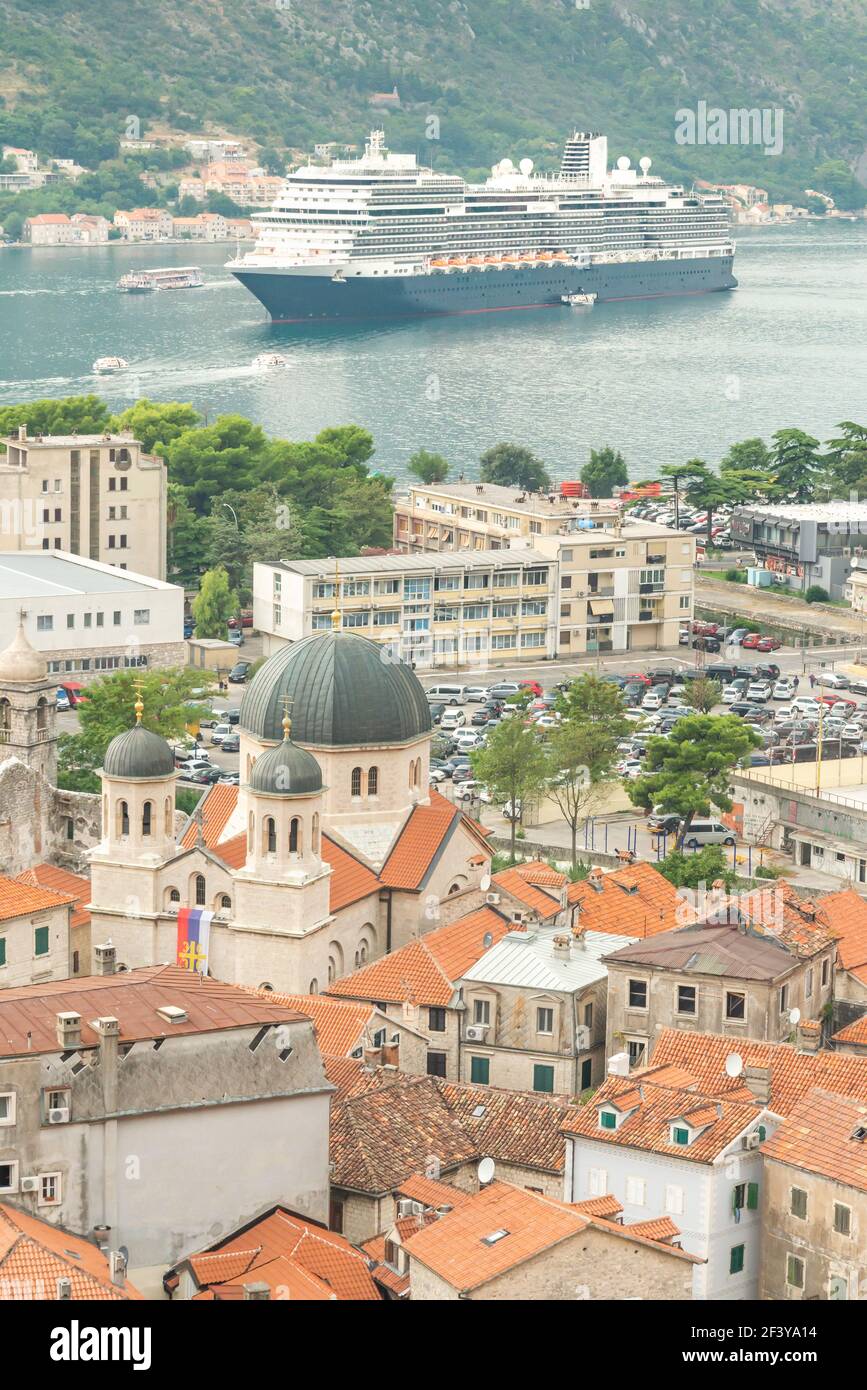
[351, 1077]
[538, 872]
[350, 879]
[217, 810]
[62, 881]
[648, 1125]
[712, 948]
[424, 971]
[854, 1033]
[511, 881]
[420, 1188]
[34, 1254]
[792, 1073]
[419, 843]
[658, 1228]
[518, 1127]
[819, 1136]
[607, 1207]
[633, 901]
[338, 1023]
[846, 915]
[233, 852]
[380, 1138]
[20, 899]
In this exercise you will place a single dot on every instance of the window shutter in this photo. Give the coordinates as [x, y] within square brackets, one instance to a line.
[752, 1196]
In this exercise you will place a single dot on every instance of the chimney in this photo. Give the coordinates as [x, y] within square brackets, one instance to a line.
[101, 1235]
[22, 433]
[107, 1030]
[259, 1291]
[69, 1030]
[562, 947]
[595, 877]
[758, 1081]
[105, 958]
[117, 1266]
[64, 1288]
[809, 1035]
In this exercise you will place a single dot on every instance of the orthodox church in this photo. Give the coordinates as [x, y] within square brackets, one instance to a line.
[332, 851]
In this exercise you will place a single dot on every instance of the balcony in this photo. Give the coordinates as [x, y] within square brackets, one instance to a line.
[604, 591]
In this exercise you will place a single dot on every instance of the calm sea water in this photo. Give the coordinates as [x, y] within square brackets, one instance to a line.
[663, 381]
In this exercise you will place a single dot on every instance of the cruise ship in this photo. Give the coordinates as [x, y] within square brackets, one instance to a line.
[380, 236]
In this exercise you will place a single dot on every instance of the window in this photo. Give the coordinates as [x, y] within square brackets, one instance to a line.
[356, 620]
[808, 984]
[745, 1194]
[115, 617]
[638, 994]
[436, 1064]
[2, 950]
[636, 1049]
[674, 1199]
[295, 835]
[679, 1135]
[607, 1119]
[842, 1219]
[200, 890]
[436, 1020]
[147, 818]
[271, 835]
[8, 1177]
[88, 620]
[736, 1259]
[480, 1070]
[70, 620]
[636, 1189]
[44, 622]
[355, 782]
[141, 617]
[588, 1015]
[49, 1189]
[736, 1006]
[41, 944]
[784, 998]
[545, 1021]
[373, 781]
[481, 1011]
[7, 1108]
[597, 1182]
[798, 1203]
[686, 999]
[543, 1079]
[795, 1272]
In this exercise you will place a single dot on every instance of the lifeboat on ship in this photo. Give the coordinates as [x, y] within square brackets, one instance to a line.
[475, 260]
[511, 259]
[439, 262]
[546, 256]
[457, 260]
[491, 260]
[560, 256]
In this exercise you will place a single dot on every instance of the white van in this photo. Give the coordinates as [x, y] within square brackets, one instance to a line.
[447, 695]
[709, 832]
[453, 719]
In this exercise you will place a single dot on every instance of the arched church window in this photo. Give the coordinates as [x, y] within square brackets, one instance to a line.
[200, 890]
[174, 895]
[122, 818]
[42, 713]
[251, 830]
[356, 781]
[314, 987]
[147, 818]
[295, 836]
[373, 781]
[225, 902]
[270, 835]
[314, 840]
[5, 720]
[168, 815]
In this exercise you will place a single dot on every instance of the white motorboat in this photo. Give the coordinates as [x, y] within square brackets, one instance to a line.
[266, 360]
[103, 365]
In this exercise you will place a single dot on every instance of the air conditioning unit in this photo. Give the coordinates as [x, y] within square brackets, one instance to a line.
[582, 1038]
[29, 1184]
[493, 899]
[404, 1207]
[59, 1115]
[417, 1208]
[752, 1141]
[476, 1032]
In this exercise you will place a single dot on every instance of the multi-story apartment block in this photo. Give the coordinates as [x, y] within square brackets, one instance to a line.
[623, 587]
[144, 224]
[94, 495]
[486, 516]
[432, 610]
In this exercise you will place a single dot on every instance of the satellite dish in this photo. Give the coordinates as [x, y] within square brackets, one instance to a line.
[485, 882]
[645, 164]
[506, 166]
[526, 167]
[486, 1170]
[734, 1064]
[794, 1016]
[623, 162]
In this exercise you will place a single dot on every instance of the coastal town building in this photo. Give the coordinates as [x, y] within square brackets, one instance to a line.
[814, 1209]
[143, 224]
[731, 977]
[805, 544]
[102, 1078]
[99, 496]
[40, 1261]
[87, 618]
[34, 934]
[58, 229]
[487, 516]
[434, 611]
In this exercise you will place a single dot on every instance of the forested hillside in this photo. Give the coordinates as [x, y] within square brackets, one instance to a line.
[501, 76]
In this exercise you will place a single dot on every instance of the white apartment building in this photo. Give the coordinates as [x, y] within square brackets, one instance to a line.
[432, 610]
[88, 618]
[98, 496]
[486, 516]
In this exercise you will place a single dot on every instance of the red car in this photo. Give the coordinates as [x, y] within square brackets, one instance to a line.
[534, 686]
[637, 676]
[768, 644]
[705, 629]
[752, 640]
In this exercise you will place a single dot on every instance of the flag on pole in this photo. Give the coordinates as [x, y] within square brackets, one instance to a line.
[194, 934]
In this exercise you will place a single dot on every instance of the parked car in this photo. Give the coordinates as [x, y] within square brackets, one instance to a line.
[784, 689]
[708, 832]
[480, 717]
[189, 629]
[760, 691]
[805, 704]
[189, 753]
[62, 699]
[203, 775]
[833, 680]
[236, 637]
[733, 693]
[239, 672]
[472, 790]
[436, 713]
[477, 694]
[533, 686]
[706, 644]
[663, 823]
[768, 644]
[231, 779]
[652, 701]
[447, 695]
[633, 693]
[192, 765]
[751, 641]
[246, 619]
[453, 718]
[219, 732]
[231, 743]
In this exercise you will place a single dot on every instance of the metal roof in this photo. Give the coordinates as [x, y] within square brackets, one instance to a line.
[62, 576]
[425, 564]
[528, 958]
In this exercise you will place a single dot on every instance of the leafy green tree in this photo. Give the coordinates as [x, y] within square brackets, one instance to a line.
[710, 491]
[511, 465]
[680, 473]
[68, 415]
[605, 471]
[272, 161]
[582, 749]
[514, 767]
[702, 869]
[214, 459]
[156, 424]
[749, 456]
[702, 694]
[109, 710]
[847, 456]
[796, 466]
[187, 539]
[689, 772]
[428, 468]
[214, 604]
[350, 443]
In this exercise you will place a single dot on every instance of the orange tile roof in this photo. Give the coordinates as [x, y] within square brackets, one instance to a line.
[647, 1126]
[338, 1023]
[818, 1136]
[382, 1137]
[793, 1073]
[18, 899]
[34, 1254]
[518, 1127]
[419, 843]
[538, 872]
[284, 1278]
[350, 879]
[780, 912]
[846, 914]
[608, 1207]
[424, 971]
[307, 1248]
[511, 881]
[350, 1076]
[62, 881]
[658, 1228]
[217, 809]
[233, 852]
[420, 1188]
[855, 1032]
[633, 901]
[28, 1013]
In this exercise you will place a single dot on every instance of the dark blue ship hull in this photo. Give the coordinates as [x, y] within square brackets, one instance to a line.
[295, 298]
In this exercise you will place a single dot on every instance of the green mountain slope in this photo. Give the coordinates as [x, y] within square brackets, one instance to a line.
[500, 76]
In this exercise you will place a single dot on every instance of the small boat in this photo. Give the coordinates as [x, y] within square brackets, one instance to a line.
[546, 255]
[475, 260]
[338, 278]
[136, 283]
[266, 360]
[492, 260]
[439, 261]
[576, 300]
[104, 365]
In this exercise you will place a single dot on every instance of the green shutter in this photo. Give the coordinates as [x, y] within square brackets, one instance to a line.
[681, 1136]
[480, 1070]
[752, 1196]
[736, 1260]
[607, 1119]
[543, 1079]
[2, 950]
[40, 941]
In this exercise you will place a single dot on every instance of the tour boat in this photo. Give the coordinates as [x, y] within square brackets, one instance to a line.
[265, 360]
[103, 365]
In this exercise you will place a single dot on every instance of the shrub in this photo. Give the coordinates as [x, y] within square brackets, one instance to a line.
[816, 594]
[735, 576]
